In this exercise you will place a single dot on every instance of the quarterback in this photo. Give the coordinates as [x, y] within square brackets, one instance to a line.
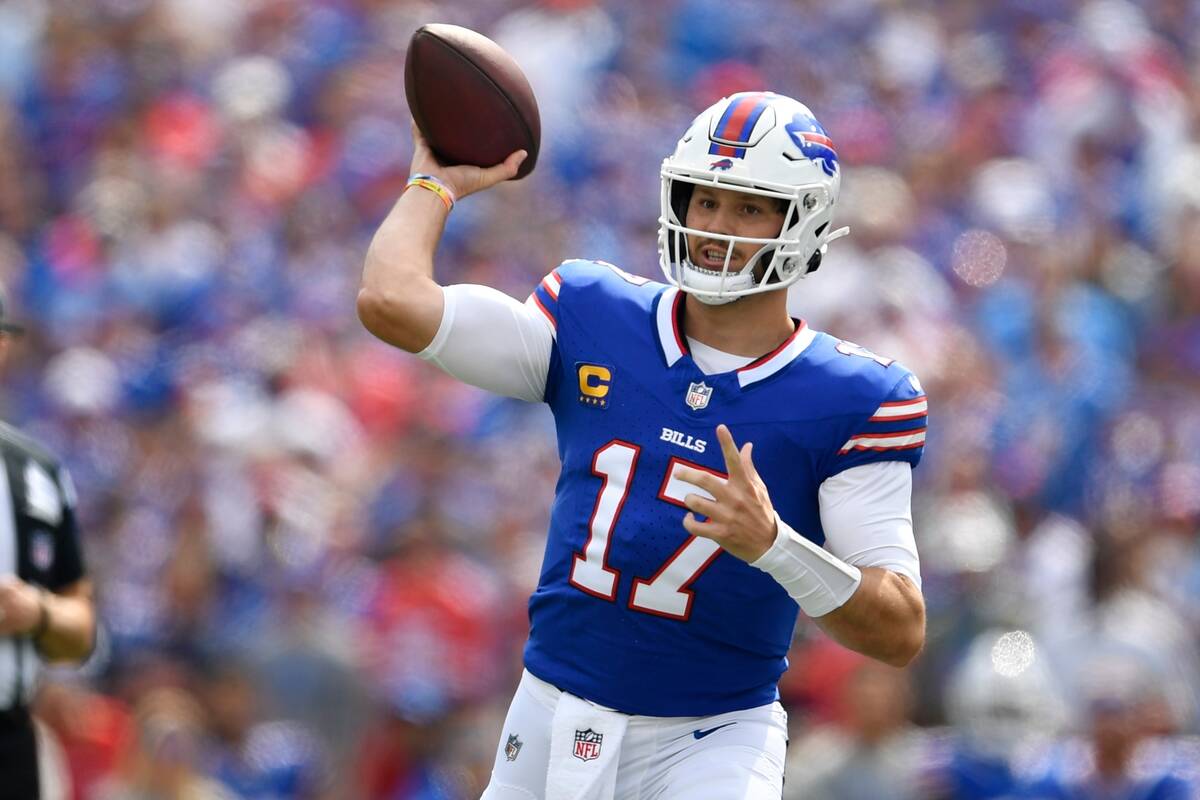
[724, 466]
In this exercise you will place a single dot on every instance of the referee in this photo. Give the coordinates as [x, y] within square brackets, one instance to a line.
[46, 607]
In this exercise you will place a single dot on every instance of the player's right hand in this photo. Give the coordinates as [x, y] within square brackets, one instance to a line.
[462, 179]
[740, 516]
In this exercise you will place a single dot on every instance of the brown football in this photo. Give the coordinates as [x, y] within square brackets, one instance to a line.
[469, 98]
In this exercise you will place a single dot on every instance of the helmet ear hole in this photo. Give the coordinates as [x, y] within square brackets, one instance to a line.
[814, 263]
[681, 196]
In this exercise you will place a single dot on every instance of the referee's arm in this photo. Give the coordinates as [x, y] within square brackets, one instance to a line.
[62, 624]
[56, 613]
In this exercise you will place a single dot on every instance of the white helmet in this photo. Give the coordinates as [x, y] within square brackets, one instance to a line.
[759, 143]
[1003, 696]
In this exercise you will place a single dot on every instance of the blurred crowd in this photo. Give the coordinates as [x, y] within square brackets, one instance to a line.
[313, 552]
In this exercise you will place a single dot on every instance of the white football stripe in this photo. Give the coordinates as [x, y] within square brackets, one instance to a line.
[677, 489]
[918, 406]
[552, 285]
[865, 441]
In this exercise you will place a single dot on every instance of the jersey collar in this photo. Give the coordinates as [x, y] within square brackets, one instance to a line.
[670, 337]
[674, 346]
[766, 366]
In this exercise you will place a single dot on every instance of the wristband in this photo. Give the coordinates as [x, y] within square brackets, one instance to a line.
[43, 623]
[816, 579]
[435, 185]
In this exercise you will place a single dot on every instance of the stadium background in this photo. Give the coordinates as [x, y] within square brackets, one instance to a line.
[313, 552]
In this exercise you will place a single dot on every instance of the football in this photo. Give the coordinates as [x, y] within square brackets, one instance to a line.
[469, 98]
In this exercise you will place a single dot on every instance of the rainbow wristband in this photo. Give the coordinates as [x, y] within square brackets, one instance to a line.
[434, 185]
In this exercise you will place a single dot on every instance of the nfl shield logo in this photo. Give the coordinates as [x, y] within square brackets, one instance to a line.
[41, 550]
[698, 395]
[587, 744]
[513, 748]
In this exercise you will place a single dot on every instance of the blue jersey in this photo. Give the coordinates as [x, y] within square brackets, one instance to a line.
[631, 611]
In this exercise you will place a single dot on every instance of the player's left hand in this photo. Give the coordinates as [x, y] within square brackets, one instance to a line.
[740, 517]
[19, 606]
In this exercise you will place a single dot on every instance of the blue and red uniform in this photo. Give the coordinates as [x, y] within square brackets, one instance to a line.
[632, 612]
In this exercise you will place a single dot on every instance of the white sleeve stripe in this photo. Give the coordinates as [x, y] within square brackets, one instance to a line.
[912, 401]
[551, 284]
[910, 409]
[901, 440]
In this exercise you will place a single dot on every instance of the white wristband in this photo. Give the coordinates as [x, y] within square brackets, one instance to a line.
[815, 578]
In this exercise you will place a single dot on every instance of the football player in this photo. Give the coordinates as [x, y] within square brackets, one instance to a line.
[722, 463]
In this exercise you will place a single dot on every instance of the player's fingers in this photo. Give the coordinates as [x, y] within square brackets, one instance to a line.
[505, 169]
[747, 458]
[701, 505]
[697, 528]
[701, 479]
[733, 461]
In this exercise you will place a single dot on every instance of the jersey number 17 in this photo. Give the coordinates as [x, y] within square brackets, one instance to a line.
[665, 593]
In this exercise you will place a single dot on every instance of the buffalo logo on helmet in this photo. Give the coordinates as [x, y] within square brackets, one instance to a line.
[721, 165]
[808, 135]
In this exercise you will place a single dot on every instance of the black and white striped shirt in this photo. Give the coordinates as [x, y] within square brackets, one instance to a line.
[39, 543]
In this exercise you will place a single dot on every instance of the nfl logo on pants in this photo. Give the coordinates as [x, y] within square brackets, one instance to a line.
[587, 744]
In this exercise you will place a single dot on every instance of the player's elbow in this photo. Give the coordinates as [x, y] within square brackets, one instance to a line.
[909, 637]
[905, 648]
[370, 306]
[401, 323]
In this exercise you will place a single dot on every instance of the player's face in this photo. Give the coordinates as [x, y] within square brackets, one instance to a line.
[732, 213]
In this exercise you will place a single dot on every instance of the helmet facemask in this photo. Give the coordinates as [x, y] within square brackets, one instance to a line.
[760, 144]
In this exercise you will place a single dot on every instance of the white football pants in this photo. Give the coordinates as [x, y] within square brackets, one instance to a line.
[734, 756]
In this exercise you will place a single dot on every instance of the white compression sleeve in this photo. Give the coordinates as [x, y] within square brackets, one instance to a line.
[490, 340]
[815, 578]
[867, 516]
